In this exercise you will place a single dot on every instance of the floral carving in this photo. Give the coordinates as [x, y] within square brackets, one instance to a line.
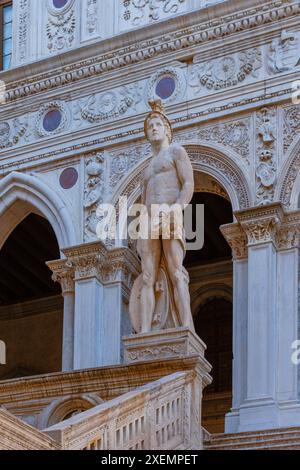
[137, 12]
[224, 72]
[232, 134]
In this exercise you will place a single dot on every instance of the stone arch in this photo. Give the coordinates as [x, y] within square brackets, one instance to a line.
[62, 408]
[288, 185]
[222, 167]
[207, 292]
[21, 194]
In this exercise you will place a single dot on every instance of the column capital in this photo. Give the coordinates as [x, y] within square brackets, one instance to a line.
[107, 265]
[261, 223]
[63, 273]
[236, 239]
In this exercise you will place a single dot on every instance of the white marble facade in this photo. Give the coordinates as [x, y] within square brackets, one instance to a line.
[233, 67]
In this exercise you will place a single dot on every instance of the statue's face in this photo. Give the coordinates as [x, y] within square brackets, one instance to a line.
[156, 131]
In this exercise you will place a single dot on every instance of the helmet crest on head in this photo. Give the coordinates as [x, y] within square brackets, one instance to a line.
[158, 110]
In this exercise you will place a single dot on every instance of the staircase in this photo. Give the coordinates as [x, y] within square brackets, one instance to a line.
[276, 439]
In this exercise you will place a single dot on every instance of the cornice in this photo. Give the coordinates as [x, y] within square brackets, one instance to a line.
[214, 23]
[108, 382]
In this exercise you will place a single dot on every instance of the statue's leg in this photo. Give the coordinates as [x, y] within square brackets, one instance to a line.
[174, 255]
[150, 253]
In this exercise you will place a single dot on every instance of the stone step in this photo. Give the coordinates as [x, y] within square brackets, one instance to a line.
[287, 438]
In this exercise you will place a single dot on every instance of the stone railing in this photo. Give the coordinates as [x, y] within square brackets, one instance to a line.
[17, 435]
[161, 415]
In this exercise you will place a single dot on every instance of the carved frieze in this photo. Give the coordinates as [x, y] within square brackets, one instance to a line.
[234, 134]
[108, 105]
[140, 12]
[224, 72]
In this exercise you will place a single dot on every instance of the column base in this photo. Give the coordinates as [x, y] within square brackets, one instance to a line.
[258, 416]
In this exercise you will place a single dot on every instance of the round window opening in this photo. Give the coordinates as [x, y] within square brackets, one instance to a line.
[59, 3]
[165, 87]
[52, 120]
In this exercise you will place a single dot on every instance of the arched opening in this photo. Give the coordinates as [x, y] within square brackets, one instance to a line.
[31, 305]
[211, 273]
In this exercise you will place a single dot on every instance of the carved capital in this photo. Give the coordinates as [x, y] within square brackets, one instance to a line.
[237, 240]
[270, 223]
[288, 235]
[261, 223]
[107, 265]
[63, 272]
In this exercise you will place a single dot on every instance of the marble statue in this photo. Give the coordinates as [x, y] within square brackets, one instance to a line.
[160, 297]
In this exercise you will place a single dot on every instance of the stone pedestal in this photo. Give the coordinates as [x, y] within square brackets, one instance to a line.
[175, 342]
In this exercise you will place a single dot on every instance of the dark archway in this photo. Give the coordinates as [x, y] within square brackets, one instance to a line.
[210, 271]
[31, 305]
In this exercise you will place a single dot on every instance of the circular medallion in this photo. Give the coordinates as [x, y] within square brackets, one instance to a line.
[52, 120]
[165, 87]
[68, 178]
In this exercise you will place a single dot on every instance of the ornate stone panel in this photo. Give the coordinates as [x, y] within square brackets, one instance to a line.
[135, 13]
[266, 154]
[61, 25]
[224, 72]
[291, 130]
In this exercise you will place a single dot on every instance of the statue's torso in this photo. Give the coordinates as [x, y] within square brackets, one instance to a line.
[161, 180]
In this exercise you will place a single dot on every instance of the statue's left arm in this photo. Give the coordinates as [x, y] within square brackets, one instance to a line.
[185, 175]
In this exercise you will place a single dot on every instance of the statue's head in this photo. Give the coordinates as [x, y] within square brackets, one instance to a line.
[157, 126]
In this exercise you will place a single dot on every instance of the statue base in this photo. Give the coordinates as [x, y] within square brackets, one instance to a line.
[172, 343]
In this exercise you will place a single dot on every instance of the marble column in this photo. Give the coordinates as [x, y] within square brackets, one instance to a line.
[64, 274]
[266, 396]
[102, 278]
[237, 240]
